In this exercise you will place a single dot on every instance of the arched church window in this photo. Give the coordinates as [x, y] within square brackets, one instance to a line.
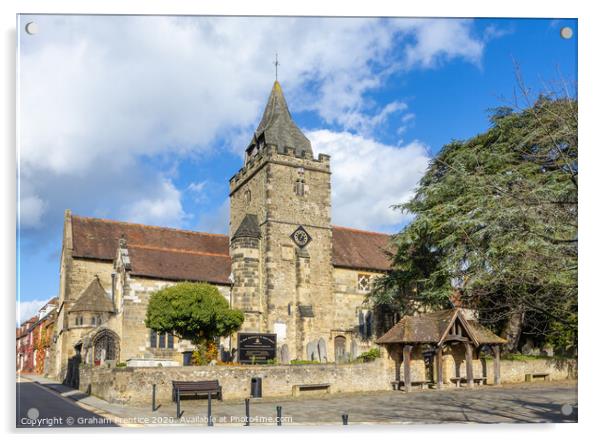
[106, 347]
[247, 196]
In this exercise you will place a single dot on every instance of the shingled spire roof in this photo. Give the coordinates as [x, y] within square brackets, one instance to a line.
[93, 299]
[277, 127]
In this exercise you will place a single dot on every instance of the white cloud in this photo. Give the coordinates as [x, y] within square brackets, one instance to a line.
[437, 41]
[366, 124]
[163, 208]
[97, 94]
[31, 209]
[369, 177]
[197, 187]
[28, 309]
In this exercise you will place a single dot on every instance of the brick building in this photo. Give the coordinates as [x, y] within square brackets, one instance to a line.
[34, 340]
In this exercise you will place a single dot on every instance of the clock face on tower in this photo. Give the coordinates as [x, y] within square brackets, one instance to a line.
[301, 237]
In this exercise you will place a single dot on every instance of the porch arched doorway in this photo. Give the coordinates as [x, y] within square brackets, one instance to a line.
[105, 347]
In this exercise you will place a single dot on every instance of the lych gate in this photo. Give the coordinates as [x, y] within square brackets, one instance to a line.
[433, 333]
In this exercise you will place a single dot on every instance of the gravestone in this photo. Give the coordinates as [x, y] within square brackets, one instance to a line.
[353, 349]
[322, 350]
[284, 356]
[312, 351]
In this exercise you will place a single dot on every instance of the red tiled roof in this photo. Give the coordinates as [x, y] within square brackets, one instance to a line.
[175, 254]
[360, 249]
[179, 264]
[98, 238]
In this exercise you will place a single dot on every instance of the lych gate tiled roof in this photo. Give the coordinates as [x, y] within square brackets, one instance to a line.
[175, 254]
[483, 334]
[94, 298]
[359, 249]
[431, 328]
[179, 265]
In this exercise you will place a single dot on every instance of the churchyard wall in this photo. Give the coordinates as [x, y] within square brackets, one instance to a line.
[134, 385]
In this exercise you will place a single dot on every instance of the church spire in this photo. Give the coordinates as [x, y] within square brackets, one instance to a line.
[277, 127]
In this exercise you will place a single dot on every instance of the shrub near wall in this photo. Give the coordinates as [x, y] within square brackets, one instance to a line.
[134, 385]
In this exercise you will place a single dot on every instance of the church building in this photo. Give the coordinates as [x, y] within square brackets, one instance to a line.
[282, 263]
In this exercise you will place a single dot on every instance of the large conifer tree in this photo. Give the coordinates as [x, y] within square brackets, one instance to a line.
[496, 222]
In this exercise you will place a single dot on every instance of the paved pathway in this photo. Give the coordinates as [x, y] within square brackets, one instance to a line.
[518, 403]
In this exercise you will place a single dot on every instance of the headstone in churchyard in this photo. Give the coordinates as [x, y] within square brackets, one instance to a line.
[547, 350]
[312, 351]
[284, 356]
[322, 350]
[353, 349]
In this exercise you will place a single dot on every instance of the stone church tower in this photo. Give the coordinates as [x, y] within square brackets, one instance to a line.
[281, 234]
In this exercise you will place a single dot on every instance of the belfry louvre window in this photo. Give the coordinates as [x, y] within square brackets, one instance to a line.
[300, 187]
[363, 283]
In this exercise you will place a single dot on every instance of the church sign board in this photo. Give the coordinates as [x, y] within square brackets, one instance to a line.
[256, 348]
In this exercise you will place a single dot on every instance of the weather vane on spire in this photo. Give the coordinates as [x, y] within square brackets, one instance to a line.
[276, 65]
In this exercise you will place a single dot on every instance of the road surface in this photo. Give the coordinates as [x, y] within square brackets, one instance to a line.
[38, 407]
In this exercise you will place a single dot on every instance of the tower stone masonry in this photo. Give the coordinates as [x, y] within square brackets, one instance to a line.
[283, 281]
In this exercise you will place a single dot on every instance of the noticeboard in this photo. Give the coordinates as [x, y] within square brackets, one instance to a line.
[256, 348]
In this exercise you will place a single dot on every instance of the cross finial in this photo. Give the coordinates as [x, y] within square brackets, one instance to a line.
[276, 65]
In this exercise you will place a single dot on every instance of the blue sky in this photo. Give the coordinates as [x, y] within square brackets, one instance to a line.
[145, 119]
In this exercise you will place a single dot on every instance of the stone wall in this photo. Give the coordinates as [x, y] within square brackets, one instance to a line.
[515, 371]
[134, 385]
[349, 303]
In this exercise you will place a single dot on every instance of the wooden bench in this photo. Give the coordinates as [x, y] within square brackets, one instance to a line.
[459, 380]
[530, 376]
[297, 389]
[196, 388]
[397, 385]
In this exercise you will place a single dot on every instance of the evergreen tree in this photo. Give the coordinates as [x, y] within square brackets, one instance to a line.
[496, 223]
[194, 311]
